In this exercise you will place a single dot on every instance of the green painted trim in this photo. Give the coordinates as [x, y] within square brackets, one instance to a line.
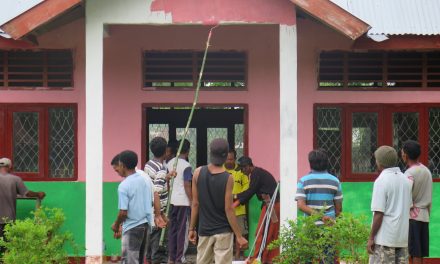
[112, 246]
[69, 196]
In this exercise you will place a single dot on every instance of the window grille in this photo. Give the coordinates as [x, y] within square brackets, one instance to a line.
[379, 70]
[180, 69]
[51, 69]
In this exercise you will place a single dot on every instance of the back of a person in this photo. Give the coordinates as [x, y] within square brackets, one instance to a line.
[157, 172]
[394, 230]
[178, 196]
[8, 196]
[321, 189]
[140, 203]
[421, 191]
[212, 215]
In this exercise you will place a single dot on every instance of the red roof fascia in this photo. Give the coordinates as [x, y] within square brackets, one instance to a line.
[6, 43]
[37, 16]
[334, 16]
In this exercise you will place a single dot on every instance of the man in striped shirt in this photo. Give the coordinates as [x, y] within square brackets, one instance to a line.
[319, 190]
[158, 174]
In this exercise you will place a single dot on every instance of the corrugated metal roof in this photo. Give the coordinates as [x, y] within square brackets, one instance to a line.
[396, 17]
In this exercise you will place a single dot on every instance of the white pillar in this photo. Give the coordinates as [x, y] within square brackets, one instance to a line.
[288, 121]
[94, 146]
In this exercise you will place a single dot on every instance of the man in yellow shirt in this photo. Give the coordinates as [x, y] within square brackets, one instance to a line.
[241, 184]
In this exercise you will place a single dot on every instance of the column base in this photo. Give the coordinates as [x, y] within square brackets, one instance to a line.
[94, 260]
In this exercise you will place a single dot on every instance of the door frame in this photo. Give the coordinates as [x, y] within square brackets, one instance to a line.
[144, 130]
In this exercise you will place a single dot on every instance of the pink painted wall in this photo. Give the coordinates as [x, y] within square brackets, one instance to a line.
[215, 11]
[312, 38]
[123, 94]
[70, 36]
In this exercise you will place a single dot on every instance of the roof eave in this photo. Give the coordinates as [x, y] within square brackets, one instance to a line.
[334, 16]
[37, 16]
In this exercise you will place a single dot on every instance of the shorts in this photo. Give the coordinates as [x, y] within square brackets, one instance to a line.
[383, 254]
[217, 248]
[418, 238]
[243, 224]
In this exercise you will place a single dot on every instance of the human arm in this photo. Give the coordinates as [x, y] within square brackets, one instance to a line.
[230, 213]
[338, 208]
[39, 195]
[116, 226]
[337, 200]
[377, 223]
[192, 236]
[187, 178]
[254, 185]
[158, 219]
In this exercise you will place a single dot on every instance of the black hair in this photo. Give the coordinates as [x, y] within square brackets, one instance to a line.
[318, 160]
[185, 147]
[234, 152]
[173, 145]
[244, 161]
[412, 149]
[129, 159]
[115, 160]
[158, 145]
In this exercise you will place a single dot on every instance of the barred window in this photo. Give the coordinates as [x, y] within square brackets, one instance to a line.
[180, 69]
[40, 140]
[379, 70]
[51, 69]
[350, 133]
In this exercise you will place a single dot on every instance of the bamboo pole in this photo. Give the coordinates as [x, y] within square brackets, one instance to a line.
[196, 98]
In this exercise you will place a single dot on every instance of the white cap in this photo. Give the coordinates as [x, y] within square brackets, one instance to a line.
[5, 162]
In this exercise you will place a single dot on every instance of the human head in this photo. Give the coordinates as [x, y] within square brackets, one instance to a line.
[158, 146]
[246, 165]
[230, 160]
[410, 151]
[185, 147]
[386, 157]
[218, 150]
[5, 165]
[125, 162]
[318, 160]
[171, 149]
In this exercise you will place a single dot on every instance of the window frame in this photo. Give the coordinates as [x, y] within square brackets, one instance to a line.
[385, 112]
[7, 111]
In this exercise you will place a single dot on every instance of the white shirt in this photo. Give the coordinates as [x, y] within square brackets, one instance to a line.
[392, 196]
[178, 195]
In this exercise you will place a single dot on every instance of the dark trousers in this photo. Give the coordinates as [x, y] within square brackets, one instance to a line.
[155, 254]
[177, 233]
[134, 243]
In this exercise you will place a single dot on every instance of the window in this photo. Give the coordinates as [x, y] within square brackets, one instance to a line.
[180, 69]
[350, 133]
[41, 140]
[379, 70]
[52, 69]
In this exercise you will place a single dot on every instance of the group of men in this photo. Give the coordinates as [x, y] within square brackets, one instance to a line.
[207, 208]
[401, 202]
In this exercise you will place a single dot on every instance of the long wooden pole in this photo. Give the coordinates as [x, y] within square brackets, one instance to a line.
[196, 98]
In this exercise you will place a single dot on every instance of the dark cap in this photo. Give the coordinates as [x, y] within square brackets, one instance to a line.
[218, 150]
[244, 161]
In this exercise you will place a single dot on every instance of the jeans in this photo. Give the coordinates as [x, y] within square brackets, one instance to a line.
[155, 254]
[134, 243]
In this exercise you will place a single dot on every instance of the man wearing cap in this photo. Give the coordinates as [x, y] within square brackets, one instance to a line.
[390, 203]
[212, 209]
[10, 187]
[263, 184]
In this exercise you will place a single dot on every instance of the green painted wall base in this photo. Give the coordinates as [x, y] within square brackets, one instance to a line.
[69, 196]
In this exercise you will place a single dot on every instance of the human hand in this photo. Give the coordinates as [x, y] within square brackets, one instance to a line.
[328, 220]
[41, 195]
[192, 236]
[171, 174]
[117, 230]
[242, 242]
[370, 246]
[159, 221]
[235, 204]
